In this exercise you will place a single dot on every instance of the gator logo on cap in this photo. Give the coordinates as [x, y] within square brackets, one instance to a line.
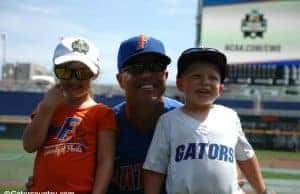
[80, 46]
[142, 41]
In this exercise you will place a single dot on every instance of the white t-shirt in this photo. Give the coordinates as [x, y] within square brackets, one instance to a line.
[199, 156]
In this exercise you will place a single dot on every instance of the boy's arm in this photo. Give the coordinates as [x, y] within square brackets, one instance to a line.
[153, 182]
[36, 132]
[247, 161]
[106, 143]
[241, 178]
[252, 172]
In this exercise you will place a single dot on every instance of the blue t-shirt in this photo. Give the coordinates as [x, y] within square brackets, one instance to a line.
[131, 152]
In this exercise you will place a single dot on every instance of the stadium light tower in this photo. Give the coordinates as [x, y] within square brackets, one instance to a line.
[199, 23]
[3, 38]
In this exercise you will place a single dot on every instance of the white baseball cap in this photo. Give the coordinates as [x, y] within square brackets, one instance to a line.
[77, 49]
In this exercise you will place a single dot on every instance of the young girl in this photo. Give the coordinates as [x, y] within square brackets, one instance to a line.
[73, 135]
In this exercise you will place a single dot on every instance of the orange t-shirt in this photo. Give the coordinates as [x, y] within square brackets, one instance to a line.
[67, 160]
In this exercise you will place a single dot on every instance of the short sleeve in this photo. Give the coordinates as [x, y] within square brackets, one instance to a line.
[105, 119]
[157, 158]
[243, 149]
[35, 111]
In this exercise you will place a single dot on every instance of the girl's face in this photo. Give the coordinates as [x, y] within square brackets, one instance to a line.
[75, 79]
[201, 84]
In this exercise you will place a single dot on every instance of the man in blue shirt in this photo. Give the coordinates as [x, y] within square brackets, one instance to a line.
[142, 75]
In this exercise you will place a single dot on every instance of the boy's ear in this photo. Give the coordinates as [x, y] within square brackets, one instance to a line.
[221, 88]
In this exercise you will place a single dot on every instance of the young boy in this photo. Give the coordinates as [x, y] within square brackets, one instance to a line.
[197, 146]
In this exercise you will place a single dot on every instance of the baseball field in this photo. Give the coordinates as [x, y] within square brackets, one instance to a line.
[281, 169]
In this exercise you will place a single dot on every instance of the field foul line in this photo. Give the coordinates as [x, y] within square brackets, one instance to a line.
[7, 157]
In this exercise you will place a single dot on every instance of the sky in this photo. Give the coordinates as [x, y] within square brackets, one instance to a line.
[33, 28]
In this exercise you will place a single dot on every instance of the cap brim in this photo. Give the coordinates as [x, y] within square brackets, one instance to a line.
[213, 57]
[210, 56]
[79, 58]
[157, 57]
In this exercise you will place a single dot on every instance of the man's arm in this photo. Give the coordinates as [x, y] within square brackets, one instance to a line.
[106, 142]
[153, 182]
[252, 172]
[157, 159]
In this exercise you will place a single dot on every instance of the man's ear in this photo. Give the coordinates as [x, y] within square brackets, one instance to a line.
[179, 84]
[166, 74]
[221, 89]
[119, 79]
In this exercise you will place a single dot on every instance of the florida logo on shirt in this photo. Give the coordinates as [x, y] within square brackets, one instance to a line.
[68, 129]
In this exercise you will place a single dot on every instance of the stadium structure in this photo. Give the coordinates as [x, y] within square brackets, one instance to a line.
[261, 41]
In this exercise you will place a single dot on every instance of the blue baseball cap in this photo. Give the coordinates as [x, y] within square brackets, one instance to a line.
[140, 46]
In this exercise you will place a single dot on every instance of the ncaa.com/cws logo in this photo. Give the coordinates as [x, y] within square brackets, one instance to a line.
[27, 192]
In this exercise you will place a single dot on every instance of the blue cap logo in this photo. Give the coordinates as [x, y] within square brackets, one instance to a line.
[139, 46]
[142, 41]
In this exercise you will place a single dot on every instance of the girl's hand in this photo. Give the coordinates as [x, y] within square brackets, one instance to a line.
[54, 96]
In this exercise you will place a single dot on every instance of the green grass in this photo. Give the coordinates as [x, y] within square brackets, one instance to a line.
[280, 175]
[2, 189]
[269, 155]
[16, 165]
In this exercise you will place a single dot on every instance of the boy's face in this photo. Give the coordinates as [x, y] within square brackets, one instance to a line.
[201, 84]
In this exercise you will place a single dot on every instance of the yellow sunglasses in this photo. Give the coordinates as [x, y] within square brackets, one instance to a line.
[65, 73]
